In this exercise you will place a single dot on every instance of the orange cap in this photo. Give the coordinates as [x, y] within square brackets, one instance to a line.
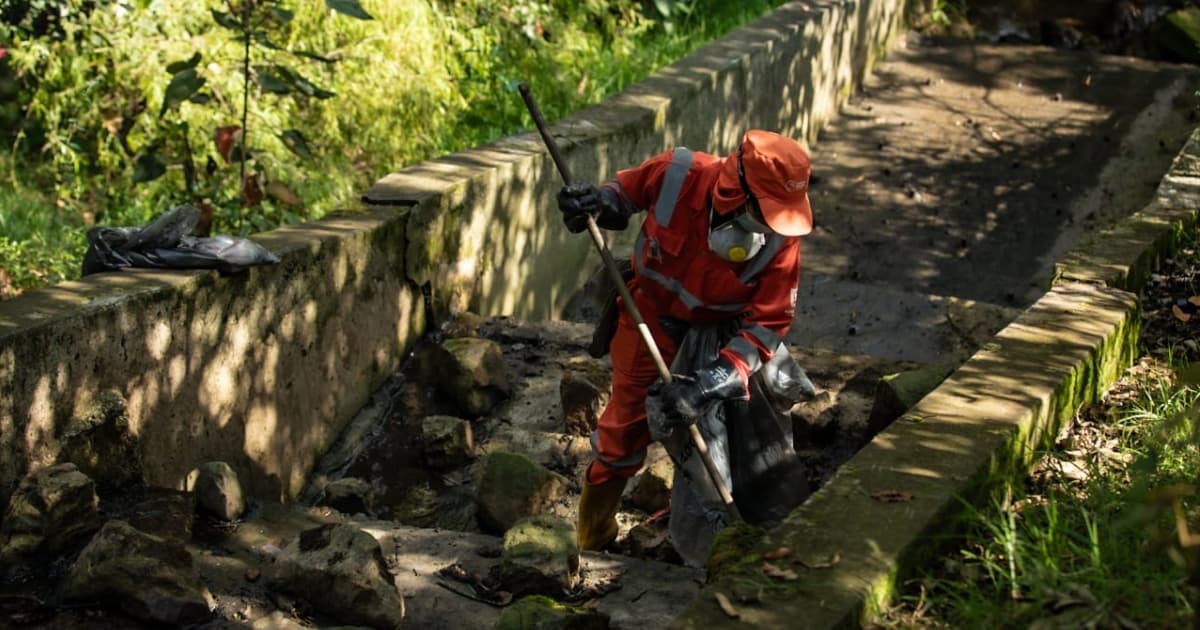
[775, 169]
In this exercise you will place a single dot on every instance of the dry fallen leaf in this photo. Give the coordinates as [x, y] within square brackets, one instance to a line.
[746, 594]
[779, 573]
[892, 496]
[1179, 314]
[830, 563]
[252, 192]
[776, 554]
[827, 564]
[279, 191]
[726, 605]
[1194, 300]
[225, 139]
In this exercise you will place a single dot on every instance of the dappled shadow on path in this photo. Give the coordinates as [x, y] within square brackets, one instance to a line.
[968, 170]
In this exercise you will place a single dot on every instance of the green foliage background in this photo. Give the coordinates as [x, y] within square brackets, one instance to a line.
[83, 101]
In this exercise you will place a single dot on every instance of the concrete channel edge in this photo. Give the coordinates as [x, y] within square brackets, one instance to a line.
[896, 500]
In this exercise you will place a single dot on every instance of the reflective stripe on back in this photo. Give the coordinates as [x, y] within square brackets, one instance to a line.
[664, 209]
[681, 162]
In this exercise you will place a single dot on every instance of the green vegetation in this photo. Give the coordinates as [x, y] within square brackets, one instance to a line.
[943, 12]
[1097, 537]
[114, 111]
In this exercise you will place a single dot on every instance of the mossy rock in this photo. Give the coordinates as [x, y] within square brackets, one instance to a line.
[899, 392]
[471, 372]
[145, 576]
[100, 443]
[446, 441]
[538, 612]
[513, 487]
[419, 507]
[733, 546]
[1180, 34]
[53, 511]
[651, 490]
[540, 556]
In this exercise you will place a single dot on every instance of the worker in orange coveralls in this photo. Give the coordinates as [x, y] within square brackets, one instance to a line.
[719, 242]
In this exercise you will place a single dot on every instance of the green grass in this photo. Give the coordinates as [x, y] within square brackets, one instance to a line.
[39, 245]
[425, 78]
[1098, 547]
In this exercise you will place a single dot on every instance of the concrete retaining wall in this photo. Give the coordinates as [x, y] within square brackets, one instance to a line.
[262, 371]
[259, 370]
[484, 231]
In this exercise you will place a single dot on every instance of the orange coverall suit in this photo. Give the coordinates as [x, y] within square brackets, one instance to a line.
[676, 275]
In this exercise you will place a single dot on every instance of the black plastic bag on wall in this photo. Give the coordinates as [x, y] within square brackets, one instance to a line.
[163, 244]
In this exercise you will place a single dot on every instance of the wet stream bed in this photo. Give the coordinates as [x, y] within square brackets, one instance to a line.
[546, 419]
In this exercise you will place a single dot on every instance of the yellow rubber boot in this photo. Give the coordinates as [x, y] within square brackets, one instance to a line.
[598, 504]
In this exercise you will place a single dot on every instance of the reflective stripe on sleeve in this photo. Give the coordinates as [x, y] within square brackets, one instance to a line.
[746, 350]
[767, 337]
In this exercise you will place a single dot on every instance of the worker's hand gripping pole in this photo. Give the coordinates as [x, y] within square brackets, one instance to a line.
[598, 238]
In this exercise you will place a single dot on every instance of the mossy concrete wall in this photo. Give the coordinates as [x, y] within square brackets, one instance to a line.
[259, 370]
[484, 232]
[262, 371]
[886, 509]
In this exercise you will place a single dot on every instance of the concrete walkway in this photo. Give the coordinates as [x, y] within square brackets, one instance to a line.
[966, 172]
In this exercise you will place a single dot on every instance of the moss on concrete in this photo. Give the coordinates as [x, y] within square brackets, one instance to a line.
[731, 551]
[896, 393]
[537, 612]
[100, 443]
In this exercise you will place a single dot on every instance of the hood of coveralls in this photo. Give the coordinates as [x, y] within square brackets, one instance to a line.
[776, 169]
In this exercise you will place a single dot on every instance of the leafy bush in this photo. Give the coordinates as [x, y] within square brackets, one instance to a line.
[125, 108]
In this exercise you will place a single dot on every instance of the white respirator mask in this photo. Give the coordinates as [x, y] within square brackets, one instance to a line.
[737, 240]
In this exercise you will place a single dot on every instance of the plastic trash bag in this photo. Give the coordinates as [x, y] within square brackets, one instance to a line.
[163, 244]
[749, 441]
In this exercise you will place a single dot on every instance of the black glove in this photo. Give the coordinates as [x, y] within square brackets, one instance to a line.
[686, 396]
[578, 200]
